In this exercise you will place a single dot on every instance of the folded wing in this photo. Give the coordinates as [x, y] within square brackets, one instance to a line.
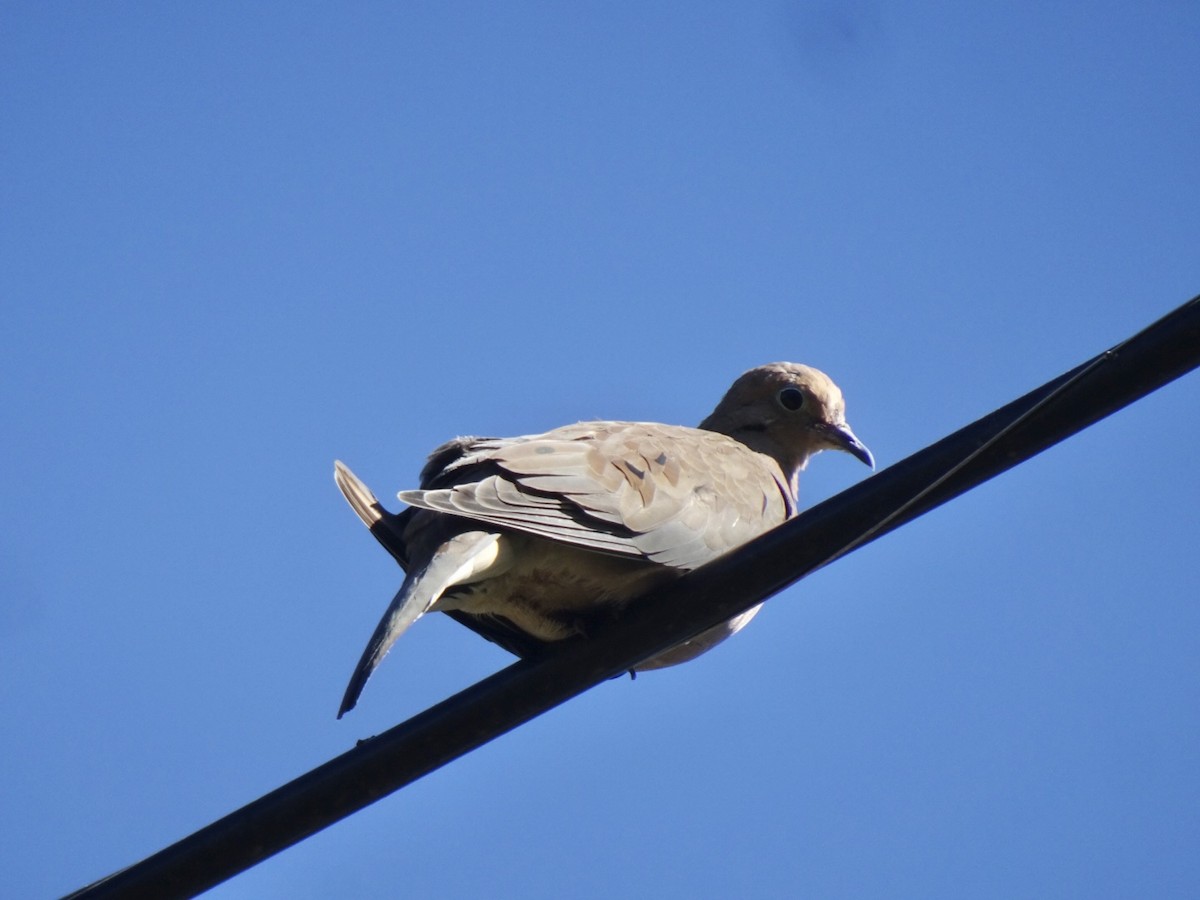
[676, 496]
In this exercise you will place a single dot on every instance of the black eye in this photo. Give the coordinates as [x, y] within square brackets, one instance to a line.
[791, 398]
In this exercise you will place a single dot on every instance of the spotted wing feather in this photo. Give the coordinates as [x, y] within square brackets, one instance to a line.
[677, 496]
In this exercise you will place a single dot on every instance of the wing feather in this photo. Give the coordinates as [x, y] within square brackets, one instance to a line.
[678, 496]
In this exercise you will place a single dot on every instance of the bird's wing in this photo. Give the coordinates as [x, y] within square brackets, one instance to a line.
[466, 556]
[677, 496]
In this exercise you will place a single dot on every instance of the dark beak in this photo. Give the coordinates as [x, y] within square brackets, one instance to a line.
[842, 438]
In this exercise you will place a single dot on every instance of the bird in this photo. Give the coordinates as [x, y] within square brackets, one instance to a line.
[534, 539]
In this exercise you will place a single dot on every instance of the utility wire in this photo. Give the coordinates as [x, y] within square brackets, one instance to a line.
[699, 600]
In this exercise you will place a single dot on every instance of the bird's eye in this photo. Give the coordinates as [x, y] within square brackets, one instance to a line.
[791, 398]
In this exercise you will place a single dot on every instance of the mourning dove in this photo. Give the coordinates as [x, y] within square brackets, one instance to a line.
[530, 540]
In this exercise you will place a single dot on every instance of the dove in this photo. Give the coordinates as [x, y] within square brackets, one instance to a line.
[535, 539]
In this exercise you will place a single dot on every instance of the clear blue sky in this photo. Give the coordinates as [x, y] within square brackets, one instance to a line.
[239, 241]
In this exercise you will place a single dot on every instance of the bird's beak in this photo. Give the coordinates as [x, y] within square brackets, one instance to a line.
[840, 437]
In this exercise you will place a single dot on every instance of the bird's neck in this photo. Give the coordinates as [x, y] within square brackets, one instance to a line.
[791, 461]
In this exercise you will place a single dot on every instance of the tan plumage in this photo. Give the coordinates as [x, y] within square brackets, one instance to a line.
[532, 539]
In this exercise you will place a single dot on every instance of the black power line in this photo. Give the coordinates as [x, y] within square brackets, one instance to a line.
[699, 600]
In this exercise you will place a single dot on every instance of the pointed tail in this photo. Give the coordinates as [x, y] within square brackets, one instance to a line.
[387, 527]
[365, 505]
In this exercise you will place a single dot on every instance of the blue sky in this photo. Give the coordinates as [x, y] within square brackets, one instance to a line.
[239, 241]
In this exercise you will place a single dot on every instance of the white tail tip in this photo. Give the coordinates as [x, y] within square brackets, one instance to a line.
[357, 494]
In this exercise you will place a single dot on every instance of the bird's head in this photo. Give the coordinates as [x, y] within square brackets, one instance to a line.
[789, 412]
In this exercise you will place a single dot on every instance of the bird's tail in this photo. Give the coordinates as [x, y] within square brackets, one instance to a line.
[387, 527]
[364, 503]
